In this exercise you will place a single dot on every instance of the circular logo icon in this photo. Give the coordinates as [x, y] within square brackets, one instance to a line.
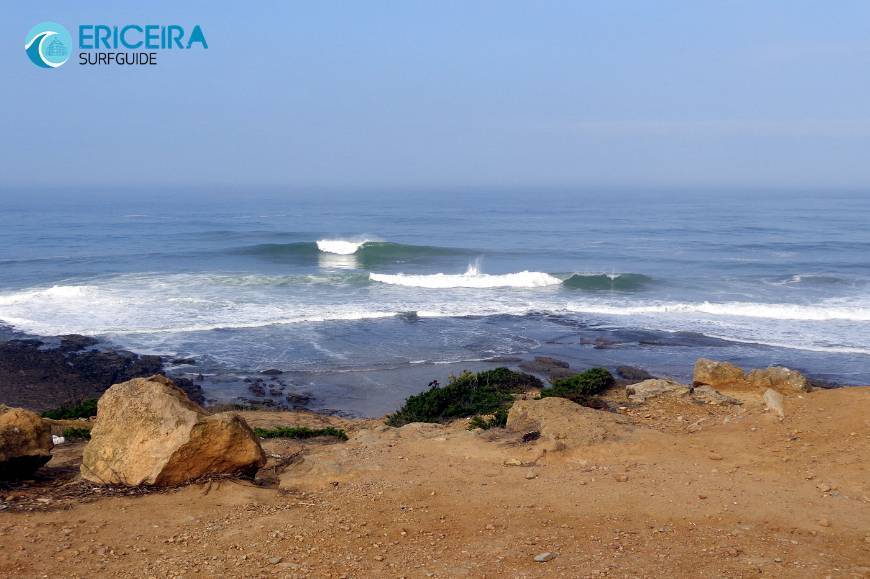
[48, 45]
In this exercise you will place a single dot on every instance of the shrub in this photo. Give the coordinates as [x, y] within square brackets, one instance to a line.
[469, 394]
[581, 387]
[300, 432]
[497, 419]
[76, 434]
[84, 409]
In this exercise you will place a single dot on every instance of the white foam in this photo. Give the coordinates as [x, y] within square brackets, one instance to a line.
[814, 312]
[340, 246]
[472, 278]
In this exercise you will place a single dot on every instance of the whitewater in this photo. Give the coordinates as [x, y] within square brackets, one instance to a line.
[363, 284]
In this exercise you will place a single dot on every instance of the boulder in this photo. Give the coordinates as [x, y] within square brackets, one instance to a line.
[641, 391]
[633, 374]
[718, 374]
[783, 380]
[559, 420]
[773, 402]
[148, 432]
[25, 442]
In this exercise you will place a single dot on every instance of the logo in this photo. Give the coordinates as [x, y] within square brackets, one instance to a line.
[48, 45]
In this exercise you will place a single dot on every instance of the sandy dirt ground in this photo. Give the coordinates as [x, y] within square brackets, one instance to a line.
[682, 490]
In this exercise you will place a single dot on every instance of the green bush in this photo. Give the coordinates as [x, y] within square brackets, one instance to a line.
[300, 432]
[581, 387]
[84, 409]
[469, 394]
[497, 419]
[76, 434]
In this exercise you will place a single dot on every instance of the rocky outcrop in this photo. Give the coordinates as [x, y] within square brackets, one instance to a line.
[783, 380]
[48, 373]
[643, 391]
[709, 395]
[565, 423]
[552, 368]
[718, 374]
[148, 432]
[25, 442]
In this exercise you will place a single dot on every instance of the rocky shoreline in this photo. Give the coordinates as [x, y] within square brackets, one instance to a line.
[41, 373]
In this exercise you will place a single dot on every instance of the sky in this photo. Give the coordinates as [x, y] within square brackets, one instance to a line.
[449, 94]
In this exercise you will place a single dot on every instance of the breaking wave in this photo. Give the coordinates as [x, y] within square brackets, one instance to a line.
[472, 278]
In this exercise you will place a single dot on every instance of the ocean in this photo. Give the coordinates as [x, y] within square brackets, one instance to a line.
[364, 298]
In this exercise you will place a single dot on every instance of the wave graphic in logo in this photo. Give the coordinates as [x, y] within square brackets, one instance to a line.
[48, 45]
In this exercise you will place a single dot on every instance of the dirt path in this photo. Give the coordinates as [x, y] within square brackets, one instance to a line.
[745, 495]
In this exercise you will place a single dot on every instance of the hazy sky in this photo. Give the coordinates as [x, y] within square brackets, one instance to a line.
[416, 94]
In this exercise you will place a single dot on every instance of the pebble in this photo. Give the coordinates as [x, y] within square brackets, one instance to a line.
[621, 478]
[824, 487]
[275, 560]
[824, 522]
[715, 456]
[513, 462]
[531, 475]
[546, 556]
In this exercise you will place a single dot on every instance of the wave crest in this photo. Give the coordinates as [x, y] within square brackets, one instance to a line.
[472, 278]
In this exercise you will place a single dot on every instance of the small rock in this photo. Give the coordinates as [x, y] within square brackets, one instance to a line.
[546, 556]
[823, 522]
[773, 402]
[715, 456]
[513, 462]
[621, 477]
[824, 487]
[275, 560]
[531, 475]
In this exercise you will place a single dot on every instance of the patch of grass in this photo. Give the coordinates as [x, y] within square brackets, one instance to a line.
[581, 387]
[300, 432]
[84, 409]
[468, 394]
[498, 419]
[76, 434]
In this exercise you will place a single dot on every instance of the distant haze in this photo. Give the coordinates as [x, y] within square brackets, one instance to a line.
[368, 95]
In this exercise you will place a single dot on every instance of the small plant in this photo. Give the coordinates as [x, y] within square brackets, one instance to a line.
[497, 419]
[300, 432]
[76, 434]
[581, 387]
[468, 394]
[84, 409]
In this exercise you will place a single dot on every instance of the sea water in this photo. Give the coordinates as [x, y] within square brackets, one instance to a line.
[363, 298]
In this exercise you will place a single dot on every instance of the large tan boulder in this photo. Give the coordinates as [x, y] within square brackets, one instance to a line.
[565, 422]
[148, 432]
[783, 380]
[25, 442]
[718, 374]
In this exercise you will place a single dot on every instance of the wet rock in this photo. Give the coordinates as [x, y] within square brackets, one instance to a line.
[257, 389]
[184, 361]
[148, 432]
[718, 374]
[553, 368]
[271, 372]
[25, 442]
[783, 380]
[634, 374]
[40, 377]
